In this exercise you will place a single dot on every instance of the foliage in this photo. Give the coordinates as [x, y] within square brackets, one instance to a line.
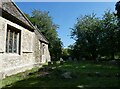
[118, 17]
[65, 53]
[117, 8]
[95, 37]
[109, 37]
[46, 26]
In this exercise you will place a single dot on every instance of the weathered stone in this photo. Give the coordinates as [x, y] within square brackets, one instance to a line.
[30, 50]
[67, 75]
[9, 6]
[83, 58]
[2, 75]
[75, 60]
[61, 61]
[70, 58]
[43, 74]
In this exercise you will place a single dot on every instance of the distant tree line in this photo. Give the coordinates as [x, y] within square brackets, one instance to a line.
[96, 38]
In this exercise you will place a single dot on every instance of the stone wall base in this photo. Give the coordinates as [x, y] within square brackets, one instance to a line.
[15, 70]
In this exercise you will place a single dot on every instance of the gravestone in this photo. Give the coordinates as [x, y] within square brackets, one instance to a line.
[75, 60]
[70, 59]
[83, 58]
[67, 75]
[61, 61]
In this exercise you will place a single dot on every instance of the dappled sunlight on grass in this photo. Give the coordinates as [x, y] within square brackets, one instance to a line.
[55, 67]
[33, 83]
[98, 65]
[67, 65]
[83, 66]
[83, 75]
[80, 86]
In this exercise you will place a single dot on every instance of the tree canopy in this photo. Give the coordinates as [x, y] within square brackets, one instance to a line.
[96, 38]
[45, 24]
[117, 8]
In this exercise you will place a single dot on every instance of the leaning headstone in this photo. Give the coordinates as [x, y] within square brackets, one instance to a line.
[61, 61]
[83, 59]
[75, 60]
[117, 75]
[70, 59]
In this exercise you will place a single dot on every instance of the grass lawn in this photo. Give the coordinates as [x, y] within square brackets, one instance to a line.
[85, 74]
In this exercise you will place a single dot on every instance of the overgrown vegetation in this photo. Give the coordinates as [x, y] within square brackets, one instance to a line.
[85, 74]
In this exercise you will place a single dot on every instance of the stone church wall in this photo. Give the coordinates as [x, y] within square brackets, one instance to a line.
[12, 63]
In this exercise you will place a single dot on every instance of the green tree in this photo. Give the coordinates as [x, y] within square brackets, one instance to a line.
[109, 38]
[86, 32]
[96, 37]
[117, 8]
[46, 26]
[65, 53]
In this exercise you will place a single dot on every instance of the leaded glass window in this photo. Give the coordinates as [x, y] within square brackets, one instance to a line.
[12, 40]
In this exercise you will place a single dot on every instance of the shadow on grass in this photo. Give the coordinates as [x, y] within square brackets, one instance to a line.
[84, 76]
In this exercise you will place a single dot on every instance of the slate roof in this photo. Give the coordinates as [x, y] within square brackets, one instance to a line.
[40, 36]
[12, 9]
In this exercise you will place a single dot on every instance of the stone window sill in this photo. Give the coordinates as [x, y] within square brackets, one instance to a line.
[28, 52]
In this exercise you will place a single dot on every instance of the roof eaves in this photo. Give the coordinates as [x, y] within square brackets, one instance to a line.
[22, 14]
[41, 34]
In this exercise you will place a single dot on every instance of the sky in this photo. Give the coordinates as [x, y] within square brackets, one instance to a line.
[65, 13]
